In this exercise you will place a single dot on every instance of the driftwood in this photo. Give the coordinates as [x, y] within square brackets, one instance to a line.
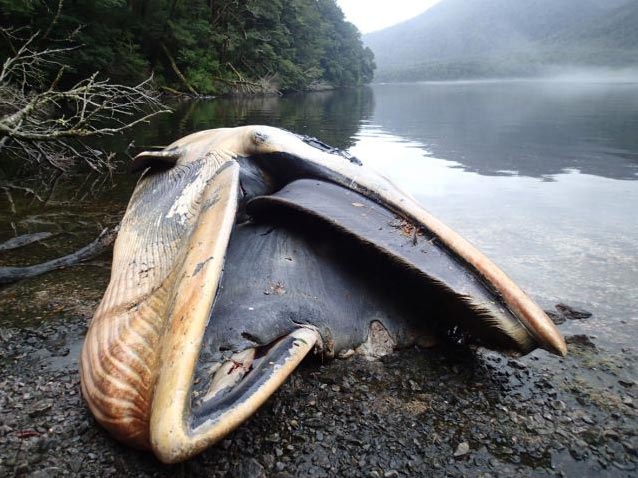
[172, 91]
[24, 240]
[100, 245]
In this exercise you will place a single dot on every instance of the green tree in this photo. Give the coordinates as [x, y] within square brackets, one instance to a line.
[204, 46]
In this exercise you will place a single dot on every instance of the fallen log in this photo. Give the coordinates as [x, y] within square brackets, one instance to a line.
[100, 245]
[177, 71]
[24, 240]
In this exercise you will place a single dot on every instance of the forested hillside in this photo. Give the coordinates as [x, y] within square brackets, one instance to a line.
[494, 38]
[607, 40]
[202, 46]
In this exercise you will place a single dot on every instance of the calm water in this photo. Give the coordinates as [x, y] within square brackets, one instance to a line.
[543, 177]
[540, 176]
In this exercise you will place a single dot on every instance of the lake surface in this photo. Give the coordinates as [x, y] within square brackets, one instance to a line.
[541, 176]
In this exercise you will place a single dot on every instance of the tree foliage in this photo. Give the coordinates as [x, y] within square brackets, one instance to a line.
[205, 46]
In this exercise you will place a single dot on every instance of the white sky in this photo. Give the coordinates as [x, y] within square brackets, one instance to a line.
[372, 15]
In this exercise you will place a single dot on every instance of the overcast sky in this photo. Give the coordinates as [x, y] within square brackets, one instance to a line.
[372, 15]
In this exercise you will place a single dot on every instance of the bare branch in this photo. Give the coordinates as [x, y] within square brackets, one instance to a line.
[50, 124]
[100, 245]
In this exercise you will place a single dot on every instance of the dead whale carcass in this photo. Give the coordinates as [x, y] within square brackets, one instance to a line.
[244, 249]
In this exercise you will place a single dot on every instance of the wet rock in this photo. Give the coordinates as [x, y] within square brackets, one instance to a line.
[610, 433]
[631, 446]
[517, 364]
[579, 450]
[268, 460]
[226, 444]
[558, 405]
[462, 449]
[40, 408]
[572, 313]
[580, 339]
[555, 317]
[49, 472]
[251, 468]
[624, 466]
[75, 464]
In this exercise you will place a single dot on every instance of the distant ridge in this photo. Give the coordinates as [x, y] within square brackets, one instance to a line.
[460, 39]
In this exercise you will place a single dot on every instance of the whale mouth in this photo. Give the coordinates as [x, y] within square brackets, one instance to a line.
[316, 265]
[242, 251]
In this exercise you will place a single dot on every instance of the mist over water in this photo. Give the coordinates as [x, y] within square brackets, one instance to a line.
[549, 74]
[572, 74]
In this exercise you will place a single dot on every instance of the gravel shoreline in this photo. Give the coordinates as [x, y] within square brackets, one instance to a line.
[447, 411]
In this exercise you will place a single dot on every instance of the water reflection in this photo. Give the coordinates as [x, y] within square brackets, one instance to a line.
[570, 240]
[333, 116]
[536, 129]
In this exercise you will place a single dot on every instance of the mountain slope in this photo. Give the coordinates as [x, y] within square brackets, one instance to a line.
[617, 29]
[478, 38]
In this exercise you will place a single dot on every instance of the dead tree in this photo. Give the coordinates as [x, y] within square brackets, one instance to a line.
[43, 123]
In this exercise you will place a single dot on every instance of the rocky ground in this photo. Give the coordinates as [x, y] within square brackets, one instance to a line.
[447, 411]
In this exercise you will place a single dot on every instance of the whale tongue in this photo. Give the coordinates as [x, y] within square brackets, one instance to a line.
[242, 383]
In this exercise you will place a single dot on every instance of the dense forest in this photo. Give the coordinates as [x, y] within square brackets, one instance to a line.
[200, 46]
[458, 39]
